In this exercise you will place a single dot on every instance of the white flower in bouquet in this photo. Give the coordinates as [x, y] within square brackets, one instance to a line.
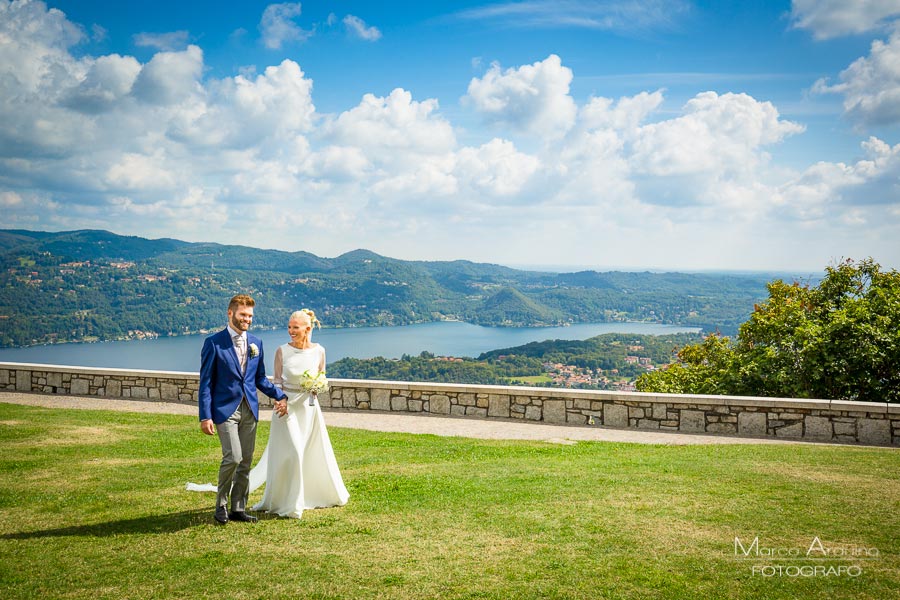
[314, 384]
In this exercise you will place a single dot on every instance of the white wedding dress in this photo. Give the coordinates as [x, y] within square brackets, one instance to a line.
[298, 466]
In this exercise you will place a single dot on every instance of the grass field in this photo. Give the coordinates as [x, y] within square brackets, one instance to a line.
[93, 505]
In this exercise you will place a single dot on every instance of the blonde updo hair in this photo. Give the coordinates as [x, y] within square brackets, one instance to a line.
[307, 312]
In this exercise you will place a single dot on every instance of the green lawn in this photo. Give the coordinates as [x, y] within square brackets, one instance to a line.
[93, 505]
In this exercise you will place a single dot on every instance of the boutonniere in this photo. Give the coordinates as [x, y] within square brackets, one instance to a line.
[254, 351]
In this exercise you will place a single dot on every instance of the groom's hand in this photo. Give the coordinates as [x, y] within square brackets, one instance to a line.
[207, 427]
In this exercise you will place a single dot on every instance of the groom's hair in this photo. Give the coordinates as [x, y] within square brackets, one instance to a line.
[241, 300]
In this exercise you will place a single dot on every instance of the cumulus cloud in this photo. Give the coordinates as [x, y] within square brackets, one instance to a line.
[834, 18]
[716, 133]
[871, 85]
[385, 126]
[625, 115]
[277, 25]
[496, 168]
[108, 80]
[170, 77]
[358, 27]
[859, 188]
[533, 98]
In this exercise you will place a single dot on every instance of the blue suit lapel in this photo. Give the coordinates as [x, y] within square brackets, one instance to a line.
[231, 355]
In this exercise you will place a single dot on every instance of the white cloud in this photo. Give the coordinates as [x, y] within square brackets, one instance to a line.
[833, 18]
[534, 98]
[626, 115]
[496, 168]
[108, 81]
[359, 28]
[385, 126]
[871, 85]
[720, 134]
[143, 173]
[277, 25]
[864, 187]
[170, 77]
[581, 14]
[173, 40]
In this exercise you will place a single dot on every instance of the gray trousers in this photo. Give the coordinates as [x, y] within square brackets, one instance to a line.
[238, 438]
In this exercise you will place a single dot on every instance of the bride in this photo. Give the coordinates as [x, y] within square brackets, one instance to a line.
[298, 465]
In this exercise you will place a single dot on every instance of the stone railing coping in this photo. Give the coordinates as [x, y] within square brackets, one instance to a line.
[98, 370]
[792, 403]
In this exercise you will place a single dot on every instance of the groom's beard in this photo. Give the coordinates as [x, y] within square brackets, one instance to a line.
[238, 325]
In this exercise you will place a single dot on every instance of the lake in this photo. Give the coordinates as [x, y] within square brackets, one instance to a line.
[446, 338]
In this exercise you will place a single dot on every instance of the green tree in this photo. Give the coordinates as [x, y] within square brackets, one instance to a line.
[838, 340]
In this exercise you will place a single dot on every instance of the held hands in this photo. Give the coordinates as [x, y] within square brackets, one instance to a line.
[280, 408]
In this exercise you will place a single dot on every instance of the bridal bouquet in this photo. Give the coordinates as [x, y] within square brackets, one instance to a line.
[314, 384]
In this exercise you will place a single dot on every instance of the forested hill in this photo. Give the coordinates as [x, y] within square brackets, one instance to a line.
[87, 285]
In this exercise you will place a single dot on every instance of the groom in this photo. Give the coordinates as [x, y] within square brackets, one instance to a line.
[231, 370]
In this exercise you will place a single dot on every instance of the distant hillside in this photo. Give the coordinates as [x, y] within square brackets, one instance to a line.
[87, 285]
[511, 307]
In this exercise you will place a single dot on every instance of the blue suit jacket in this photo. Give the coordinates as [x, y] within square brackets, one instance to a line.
[223, 386]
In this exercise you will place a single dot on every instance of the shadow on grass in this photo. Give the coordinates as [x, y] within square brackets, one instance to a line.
[167, 523]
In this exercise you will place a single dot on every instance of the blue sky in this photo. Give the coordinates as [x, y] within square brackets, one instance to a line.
[638, 134]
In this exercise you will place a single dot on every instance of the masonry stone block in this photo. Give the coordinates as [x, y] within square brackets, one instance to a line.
[875, 431]
[54, 379]
[80, 387]
[466, 400]
[844, 428]
[457, 410]
[790, 431]
[818, 428]
[137, 392]
[114, 388]
[398, 403]
[574, 418]
[168, 391]
[23, 381]
[721, 428]
[693, 421]
[554, 411]
[498, 405]
[752, 423]
[533, 413]
[439, 404]
[381, 399]
[615, 415]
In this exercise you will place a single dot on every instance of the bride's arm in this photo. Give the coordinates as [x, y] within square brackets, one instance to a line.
[322, 359]
[277, 375]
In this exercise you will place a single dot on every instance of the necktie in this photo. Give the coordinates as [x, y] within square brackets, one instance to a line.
[241, 353]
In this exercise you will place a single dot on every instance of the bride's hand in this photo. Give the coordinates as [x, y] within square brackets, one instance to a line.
[281, 408]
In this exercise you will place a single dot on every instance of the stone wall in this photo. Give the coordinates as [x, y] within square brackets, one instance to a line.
[813, 420]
